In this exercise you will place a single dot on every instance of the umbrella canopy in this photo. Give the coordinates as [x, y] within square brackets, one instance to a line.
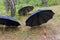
[39, 17]
[8, 21]
[24, 10]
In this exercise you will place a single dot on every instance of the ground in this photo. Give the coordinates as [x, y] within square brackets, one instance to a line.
[26, 33]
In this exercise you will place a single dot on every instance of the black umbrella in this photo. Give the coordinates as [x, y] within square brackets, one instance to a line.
[39, 17]
[24, 10]
[8, 21]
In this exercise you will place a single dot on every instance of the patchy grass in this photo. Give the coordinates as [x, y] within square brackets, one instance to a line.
[26, 33]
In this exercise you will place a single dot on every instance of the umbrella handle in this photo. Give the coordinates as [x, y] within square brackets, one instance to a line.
[26, 12]
[3, 29]
[45, 32]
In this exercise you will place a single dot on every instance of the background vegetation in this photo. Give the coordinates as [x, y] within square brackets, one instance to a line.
[35, 3]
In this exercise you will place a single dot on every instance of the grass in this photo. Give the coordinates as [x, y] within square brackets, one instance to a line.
[25, 32]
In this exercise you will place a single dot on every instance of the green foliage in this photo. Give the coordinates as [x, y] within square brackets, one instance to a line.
[53, 2]
[36, 3]
[33, 2]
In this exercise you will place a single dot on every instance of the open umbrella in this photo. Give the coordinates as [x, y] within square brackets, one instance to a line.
[8, 21]
[24, 10]
[39, 17]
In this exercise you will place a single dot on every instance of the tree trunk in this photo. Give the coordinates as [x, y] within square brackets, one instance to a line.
[10, 6]
[44, 2]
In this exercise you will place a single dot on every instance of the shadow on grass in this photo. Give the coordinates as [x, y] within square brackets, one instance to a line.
[8, 29]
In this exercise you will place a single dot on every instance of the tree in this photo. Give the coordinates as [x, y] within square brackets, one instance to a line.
[10, 6]
[44, 2]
